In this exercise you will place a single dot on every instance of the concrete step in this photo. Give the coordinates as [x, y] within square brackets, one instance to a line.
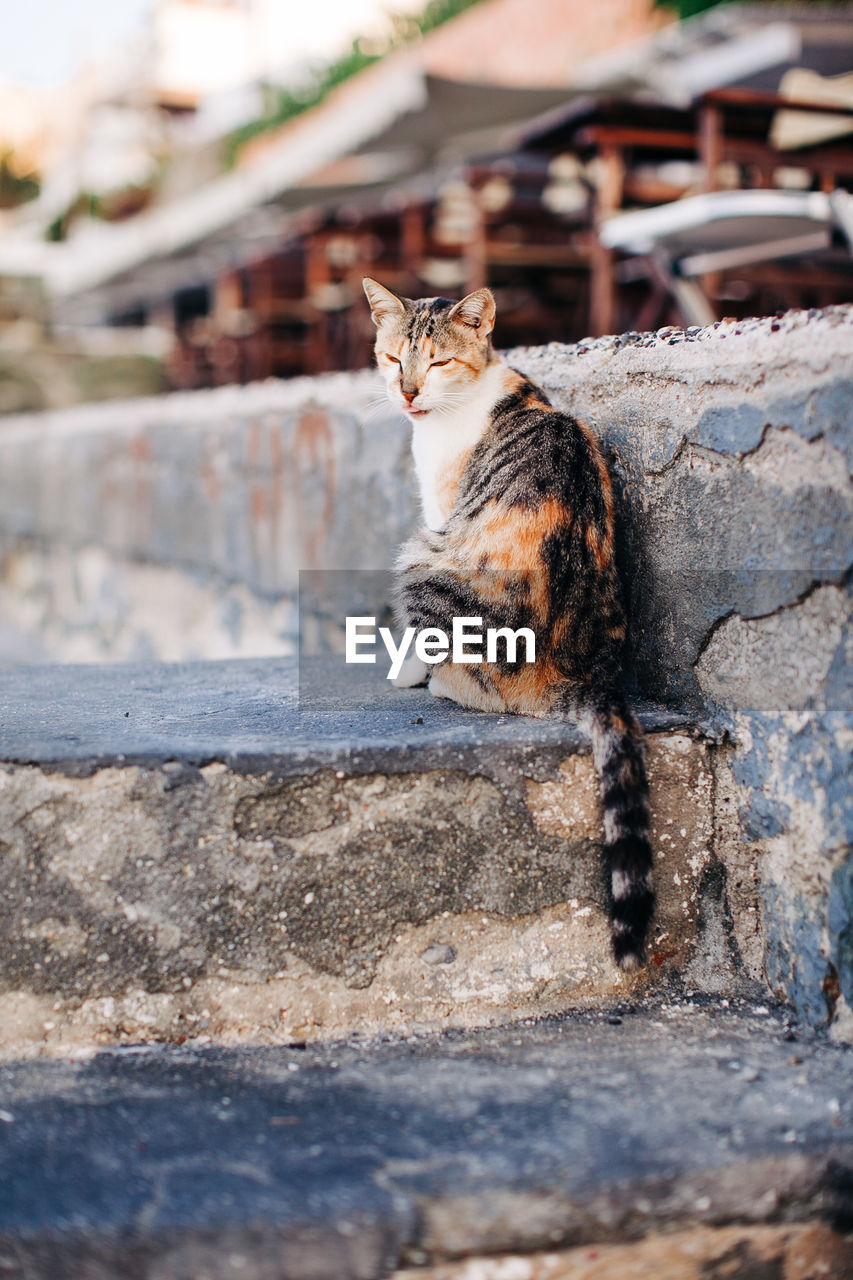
[196, 852]
[724, 1127]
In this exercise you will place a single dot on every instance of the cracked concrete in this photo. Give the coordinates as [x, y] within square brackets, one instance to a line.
[182, 901]
[778, 662]
[730, 446]
[780, 688]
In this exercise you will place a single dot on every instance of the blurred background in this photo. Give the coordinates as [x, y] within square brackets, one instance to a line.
[191, 190]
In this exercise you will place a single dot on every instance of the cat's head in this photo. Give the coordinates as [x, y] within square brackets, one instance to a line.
[432, 352]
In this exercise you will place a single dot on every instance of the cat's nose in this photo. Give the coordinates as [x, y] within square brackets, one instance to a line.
[409, 395]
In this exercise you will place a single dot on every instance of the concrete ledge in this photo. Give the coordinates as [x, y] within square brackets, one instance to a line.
[249, 715]
[192, 852]
[342, 1162]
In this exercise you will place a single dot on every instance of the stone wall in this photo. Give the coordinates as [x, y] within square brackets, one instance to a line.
[176, 528]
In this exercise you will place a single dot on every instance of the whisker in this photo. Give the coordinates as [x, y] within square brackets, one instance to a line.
[374, 407]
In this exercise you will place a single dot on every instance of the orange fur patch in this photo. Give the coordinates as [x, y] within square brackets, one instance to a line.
[511, 538]
[509, 542]
[457, 683]
[447, 486]
[530, 689]
[601, 547]
[532, 400]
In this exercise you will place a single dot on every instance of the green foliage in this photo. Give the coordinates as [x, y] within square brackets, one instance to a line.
[109, 206]
[438, 11]
[284, 104]
[15, 188]
[689, 8]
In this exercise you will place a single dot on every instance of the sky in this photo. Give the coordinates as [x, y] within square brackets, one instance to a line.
[44, 41]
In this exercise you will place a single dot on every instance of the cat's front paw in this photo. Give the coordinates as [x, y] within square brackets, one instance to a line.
[412, 673]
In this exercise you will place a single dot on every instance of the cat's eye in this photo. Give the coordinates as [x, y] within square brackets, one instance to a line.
[437, 364]
[393, 359]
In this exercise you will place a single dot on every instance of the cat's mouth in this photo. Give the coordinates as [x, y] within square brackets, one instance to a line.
[414, 413]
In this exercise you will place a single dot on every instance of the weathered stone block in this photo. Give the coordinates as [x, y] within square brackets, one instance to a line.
[176, 902]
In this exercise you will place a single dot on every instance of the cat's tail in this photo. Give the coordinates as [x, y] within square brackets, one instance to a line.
[618, 751]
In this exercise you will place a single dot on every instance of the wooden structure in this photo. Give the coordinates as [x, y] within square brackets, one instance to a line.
[722, 142]
[524, 223]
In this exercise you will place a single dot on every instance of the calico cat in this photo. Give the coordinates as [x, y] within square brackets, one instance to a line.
[518, 507]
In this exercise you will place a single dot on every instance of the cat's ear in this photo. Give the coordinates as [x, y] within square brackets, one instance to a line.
[383, 303]
[477, 311]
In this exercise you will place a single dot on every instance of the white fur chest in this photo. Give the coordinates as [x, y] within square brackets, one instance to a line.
[441, 440]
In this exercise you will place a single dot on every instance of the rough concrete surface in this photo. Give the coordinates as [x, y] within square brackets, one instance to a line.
[232, 492]
[778, 662]
[260, 717]
[733, 450]
[737, 506]
[780, 688]
[269, 881]
[88, 605]
[811, 1251]
[344, 1161]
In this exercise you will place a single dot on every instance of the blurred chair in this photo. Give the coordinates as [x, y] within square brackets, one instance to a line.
[689, 239]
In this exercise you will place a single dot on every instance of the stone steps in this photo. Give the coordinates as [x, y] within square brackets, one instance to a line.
[309, 902]
[348, 1161]
[196, 852]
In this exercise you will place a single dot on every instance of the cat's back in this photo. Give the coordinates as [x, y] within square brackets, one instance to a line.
[533, 452]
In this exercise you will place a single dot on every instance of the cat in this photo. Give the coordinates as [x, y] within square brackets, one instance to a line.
[519, 531]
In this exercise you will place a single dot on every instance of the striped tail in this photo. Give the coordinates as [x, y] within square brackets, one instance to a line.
[619, 755]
